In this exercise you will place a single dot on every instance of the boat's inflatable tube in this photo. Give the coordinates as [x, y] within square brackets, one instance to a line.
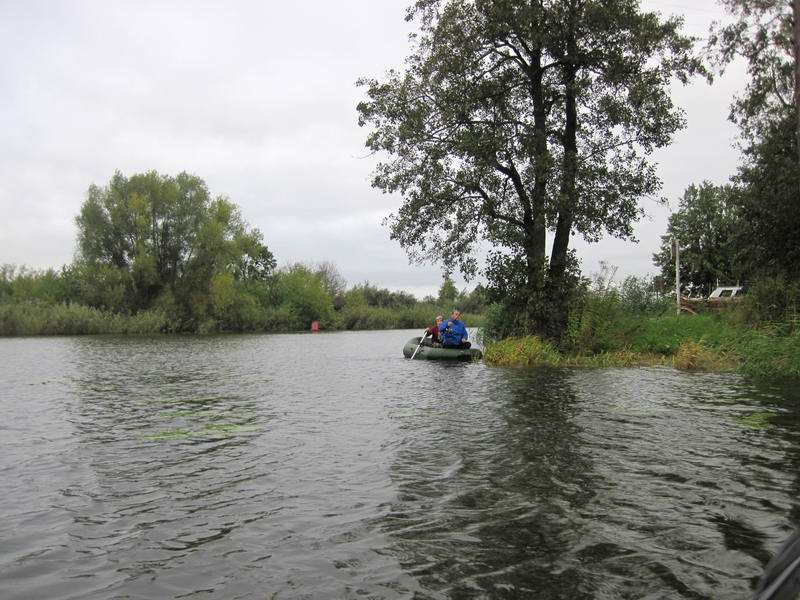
[430, 353]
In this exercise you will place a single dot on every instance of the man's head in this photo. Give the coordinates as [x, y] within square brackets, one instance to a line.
[455, 315]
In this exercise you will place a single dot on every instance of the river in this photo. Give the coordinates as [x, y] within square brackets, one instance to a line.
[328, 466]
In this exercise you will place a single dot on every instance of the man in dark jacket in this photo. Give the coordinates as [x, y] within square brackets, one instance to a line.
[453, 332]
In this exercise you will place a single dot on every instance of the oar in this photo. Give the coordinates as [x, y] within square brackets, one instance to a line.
[424, 335]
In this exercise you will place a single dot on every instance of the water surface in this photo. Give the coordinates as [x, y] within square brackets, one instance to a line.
[328, 466]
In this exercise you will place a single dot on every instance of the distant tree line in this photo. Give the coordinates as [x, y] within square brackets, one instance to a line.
[163, 252]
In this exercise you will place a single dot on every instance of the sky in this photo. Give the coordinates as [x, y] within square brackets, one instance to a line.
[259, 100]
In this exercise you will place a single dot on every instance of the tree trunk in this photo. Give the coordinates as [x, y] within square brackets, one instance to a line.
[534, 218]
[557, 292]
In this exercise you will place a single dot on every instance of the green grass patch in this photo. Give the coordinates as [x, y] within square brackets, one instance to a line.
[768, 354]
[527, 351]
[703, 343]
[664, 335]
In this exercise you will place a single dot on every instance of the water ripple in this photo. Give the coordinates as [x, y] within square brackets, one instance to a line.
[330, 467]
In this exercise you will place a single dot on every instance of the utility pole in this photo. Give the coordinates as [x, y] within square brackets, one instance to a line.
[678, 276]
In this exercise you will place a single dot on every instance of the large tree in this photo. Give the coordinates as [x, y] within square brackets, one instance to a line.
[153, 237]
[766, 33]
[512, 118]
[769, 236]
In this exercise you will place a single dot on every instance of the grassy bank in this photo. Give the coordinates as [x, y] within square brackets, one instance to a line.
[32, 318]
[693, 343]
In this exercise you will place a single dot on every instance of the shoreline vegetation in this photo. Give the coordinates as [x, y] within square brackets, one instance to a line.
[624, 327]
[697, 343]
[41, 319]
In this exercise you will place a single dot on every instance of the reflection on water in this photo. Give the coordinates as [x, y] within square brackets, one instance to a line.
[330, 467]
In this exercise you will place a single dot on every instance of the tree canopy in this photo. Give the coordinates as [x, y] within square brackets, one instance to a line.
[512, 118]
[706, 226]
[153, 239]
[766, 33]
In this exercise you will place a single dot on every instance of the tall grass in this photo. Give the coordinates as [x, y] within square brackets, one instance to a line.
[413, 317]
[769, 354]
[73, 319]
[40, 318]
[530, 351]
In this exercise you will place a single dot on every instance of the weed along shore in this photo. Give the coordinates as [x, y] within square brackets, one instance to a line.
[699, 343]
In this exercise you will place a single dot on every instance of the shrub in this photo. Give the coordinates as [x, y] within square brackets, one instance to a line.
[768, 354]
[773, 301]
[592, 324]
[525, 351]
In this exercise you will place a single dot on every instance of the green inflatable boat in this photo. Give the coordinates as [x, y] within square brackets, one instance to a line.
[429, 353]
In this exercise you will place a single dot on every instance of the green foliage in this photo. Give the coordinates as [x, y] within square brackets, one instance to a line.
[664, 335]
[762, 35]
[157, 253]
[474, 301]
[706, 226]
[769, 230]
[527, 351]
[530, 351]
[420, 316]
[767, 354]
[31, 285]
[771, 301]
[302, 295]
[768, 115]
[370, 295]
[638, 296]
[592, 326]
[697, 356]
[447, 292]
[512, 118]
[520, 309]
[32, 318]
[152, 236]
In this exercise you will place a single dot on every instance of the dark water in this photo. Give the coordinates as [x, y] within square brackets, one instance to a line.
[330, 467]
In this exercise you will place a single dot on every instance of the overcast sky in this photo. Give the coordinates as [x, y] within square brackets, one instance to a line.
[258, 99]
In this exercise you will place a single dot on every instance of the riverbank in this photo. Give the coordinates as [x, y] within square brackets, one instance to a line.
[693, 343]
[32, 319]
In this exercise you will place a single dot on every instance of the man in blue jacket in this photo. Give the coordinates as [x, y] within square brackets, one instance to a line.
[453, 332]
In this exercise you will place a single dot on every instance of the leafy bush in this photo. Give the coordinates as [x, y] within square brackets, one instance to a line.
[525, 351]
[637, 295]
[592, 324]
[773, 301]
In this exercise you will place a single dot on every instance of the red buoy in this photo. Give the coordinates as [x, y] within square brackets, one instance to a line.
[314, 326]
